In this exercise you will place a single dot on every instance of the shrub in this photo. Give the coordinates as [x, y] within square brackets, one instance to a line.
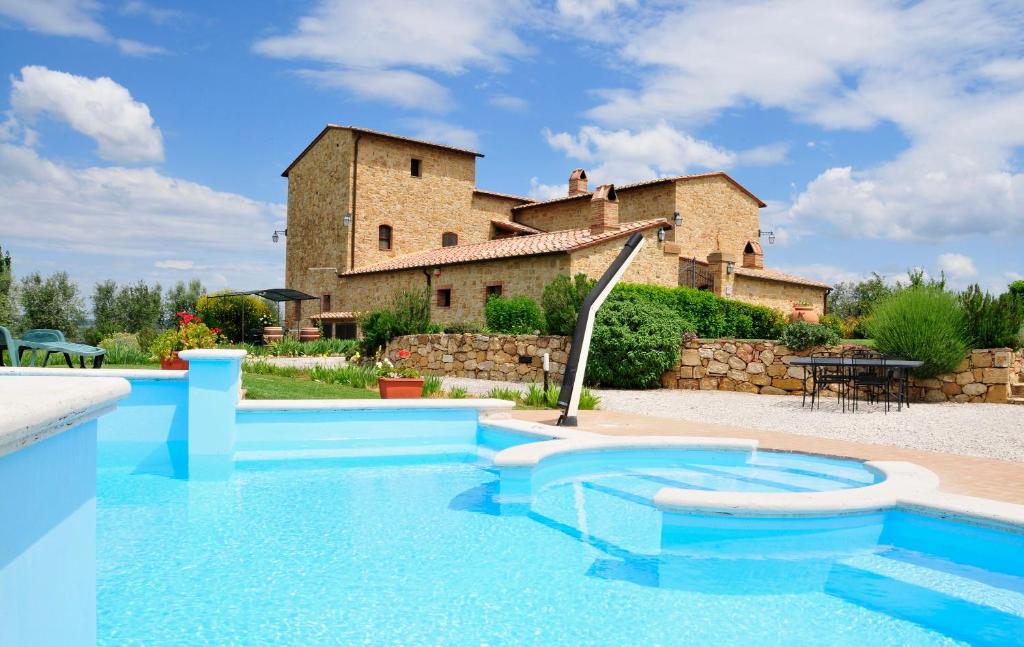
[835, 323]
[561, 301]
[634, 342]
[537, 397]
[407, 314]
[360, 377]
[922, 323]
[461, 327]
[502, 393]
[190, 333]
[431, 385]
[458, 393]
[709, 315]
[225, 312]
[801, 335]
[513, 316]
[991, 322]
[123, 348]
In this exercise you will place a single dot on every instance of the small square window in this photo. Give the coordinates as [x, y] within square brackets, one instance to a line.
[492, 291]
[444, 298]
[414, 168]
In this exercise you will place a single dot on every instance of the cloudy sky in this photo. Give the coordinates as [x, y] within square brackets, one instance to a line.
[145, 139]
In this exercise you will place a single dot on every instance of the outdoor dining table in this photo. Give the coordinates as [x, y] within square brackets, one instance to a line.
[901, 365]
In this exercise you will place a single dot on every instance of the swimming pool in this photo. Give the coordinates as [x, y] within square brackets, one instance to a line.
[404, 539]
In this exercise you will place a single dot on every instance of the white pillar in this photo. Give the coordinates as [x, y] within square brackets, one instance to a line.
[214, 380]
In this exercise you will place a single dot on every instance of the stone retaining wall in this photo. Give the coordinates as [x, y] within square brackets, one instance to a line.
[764, 367]
[750, 366]
[511, 358]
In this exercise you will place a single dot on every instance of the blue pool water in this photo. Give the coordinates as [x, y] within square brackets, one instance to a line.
[390, 546]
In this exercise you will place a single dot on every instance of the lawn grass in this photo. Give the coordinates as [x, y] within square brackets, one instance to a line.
[299, 387]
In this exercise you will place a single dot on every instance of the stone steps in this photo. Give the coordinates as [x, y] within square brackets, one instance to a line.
[1016, 392]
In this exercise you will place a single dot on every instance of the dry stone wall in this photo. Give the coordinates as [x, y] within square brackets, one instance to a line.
[510, 358]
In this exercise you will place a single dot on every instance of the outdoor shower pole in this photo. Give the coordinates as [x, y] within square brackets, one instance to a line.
[572, 381]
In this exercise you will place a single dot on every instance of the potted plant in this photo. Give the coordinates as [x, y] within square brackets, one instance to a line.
[398, 382]
[190, 333]
[803, 311]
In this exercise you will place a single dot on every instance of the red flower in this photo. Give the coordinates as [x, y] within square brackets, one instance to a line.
[215, 331]
[402, 354]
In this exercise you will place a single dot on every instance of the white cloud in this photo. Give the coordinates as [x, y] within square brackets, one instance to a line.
[540, 191]
[508, 102]
[399, 87]
[131, 217]
[763, 155]
[76, 18]
[629, 155]
[56, 17]
[957, 267]
[443, 133]
[99, 108]
[948, 74]
[175, 264]
[825, 273]
[390, 36]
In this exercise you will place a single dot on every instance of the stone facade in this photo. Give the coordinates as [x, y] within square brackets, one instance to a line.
[513, 358]
[368, 175]
[765, 367]
[777, 294]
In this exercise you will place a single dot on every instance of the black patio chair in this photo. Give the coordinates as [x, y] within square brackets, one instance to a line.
[823, 376]
[874, 381]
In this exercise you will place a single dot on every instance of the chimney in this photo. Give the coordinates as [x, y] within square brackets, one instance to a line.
[604, 210]
[577, 182]
[753, 255]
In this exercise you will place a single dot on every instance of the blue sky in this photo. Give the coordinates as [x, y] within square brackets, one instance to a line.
[146, 139]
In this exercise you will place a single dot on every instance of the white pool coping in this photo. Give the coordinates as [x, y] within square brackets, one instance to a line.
[127, 373]
[482, 404]
[212, 353]
[36, 408]
[905, 486]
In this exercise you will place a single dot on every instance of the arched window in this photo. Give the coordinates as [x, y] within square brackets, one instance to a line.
[384, 237]
[449, 239]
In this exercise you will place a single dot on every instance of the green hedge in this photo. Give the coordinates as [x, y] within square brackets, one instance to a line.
[712, 316]
[513, 316]
[634, 342]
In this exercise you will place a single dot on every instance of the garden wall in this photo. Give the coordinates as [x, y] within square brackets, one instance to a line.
[705, 364]
[764, 367]
[512, 358]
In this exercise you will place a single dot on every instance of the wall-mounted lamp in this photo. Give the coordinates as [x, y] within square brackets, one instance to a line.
[770, 234]
[677, 218]
[275, 236]
[661, 235]
[730, 266]
[347, 219]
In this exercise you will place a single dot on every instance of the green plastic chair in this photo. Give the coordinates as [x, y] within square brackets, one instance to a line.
[52, 341]
[16, 347]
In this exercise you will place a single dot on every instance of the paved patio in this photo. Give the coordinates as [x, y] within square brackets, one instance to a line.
[981, 430]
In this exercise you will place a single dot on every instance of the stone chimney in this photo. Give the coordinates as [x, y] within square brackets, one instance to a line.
[604, 210]
[577, 182]
[753, 255]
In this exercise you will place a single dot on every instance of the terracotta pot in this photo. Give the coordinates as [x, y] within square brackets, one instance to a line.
[272, 334]
[173, 363]
[803, 313]
[400, 387]
[309, 334]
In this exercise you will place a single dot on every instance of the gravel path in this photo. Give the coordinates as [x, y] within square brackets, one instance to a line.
[305, 361]
[989, 430]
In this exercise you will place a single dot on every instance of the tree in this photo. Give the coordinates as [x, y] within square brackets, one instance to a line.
[139, 307]
[7, 292]
[104, 309]
[561, 300]
[51, 303]
[858, 299]
[182, 298]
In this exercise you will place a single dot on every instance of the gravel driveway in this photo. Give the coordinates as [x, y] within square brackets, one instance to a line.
[989, 430]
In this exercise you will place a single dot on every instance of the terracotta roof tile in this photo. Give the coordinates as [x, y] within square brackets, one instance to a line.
[334, 315]
[544, 243]
[515, 226]
[776, 275]
[636, 185]
[505, 195]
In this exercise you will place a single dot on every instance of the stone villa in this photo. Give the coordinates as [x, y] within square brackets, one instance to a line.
[371, 213]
